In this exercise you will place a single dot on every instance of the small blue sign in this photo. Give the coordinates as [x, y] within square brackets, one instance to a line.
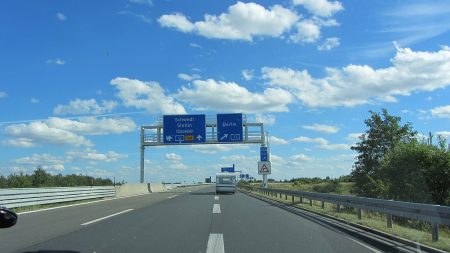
[229, 127]
[263, 153]
[227, 169]
[183, 129]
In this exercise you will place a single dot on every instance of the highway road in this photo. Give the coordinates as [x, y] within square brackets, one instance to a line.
[191, 219]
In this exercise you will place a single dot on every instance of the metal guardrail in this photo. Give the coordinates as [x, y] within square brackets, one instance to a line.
[434, 214]
[19, 197]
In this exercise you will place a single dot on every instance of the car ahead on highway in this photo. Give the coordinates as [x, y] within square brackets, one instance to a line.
[225, 183]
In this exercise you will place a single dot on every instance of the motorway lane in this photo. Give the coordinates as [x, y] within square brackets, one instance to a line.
[186, 223]
[36, 227]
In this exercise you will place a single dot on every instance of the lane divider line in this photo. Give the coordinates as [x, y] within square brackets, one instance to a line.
[216, 197]
[106, 217]
[172, 196]
[364, 245]
[216, 208]
[215, 244]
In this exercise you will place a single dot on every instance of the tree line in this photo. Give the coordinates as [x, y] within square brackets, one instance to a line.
[41, 178]
[393, 162]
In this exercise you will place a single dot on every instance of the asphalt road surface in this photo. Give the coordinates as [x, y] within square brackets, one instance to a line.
[191, 219]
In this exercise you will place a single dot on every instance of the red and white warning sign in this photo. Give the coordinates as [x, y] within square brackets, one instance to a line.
[264, 168]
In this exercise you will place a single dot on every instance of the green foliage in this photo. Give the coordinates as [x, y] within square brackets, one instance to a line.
[385, 131]
[41, 178]
[418, 172]
[328, 187]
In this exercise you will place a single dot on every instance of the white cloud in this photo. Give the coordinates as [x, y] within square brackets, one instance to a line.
[61, 16]
[56, 61]
[323, 8]
[445, 134]
[277, 141]
[215, 148]
[329, 44]
[441, 112]
[247, 74]
[352, 85]
[3, 94]
[177, 21]
[322, 128]
[47, 161]
[234, 158]
[354, 136]
[40, 132]
[65, 131]
[229, 96]
[323, 143]
[19, 142]
[34, 101]
[243, 21]
[88, 106]
[173, 157]
[187, 77]
[266, 119]
[92, 155]
[147, 95]
[300, 158]
[307, 32]
[320, 141]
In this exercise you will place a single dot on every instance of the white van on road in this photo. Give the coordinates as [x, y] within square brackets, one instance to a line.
[225, 182]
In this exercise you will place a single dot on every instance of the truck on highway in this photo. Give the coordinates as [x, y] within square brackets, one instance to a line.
[225, 182]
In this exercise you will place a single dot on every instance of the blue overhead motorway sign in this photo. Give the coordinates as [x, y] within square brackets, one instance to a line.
[229, 127]
[181, 129]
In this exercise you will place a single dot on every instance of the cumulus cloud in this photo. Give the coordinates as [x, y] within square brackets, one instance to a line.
[187, 77]
[323, 8]
[322, 143]
[354, 136]
[146, 95]
[441, 112]
[219, 95]
[352, 85]
[277, 141]
[173, 157]
[65, 131]
[300, 158]
[92, 155]
[329, 44]
[266, 119]
[148, 2]
[47, 161]
[445, 134]
[242, 21]
[3, 94]
[216, 148]
[322, 128]
[88, 106]
[307, 32]
[34, 101]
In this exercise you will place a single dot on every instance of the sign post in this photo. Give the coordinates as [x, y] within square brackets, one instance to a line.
[229, 127]
[184, 129]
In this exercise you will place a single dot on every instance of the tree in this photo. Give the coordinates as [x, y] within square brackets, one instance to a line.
[41, 178]
[384, 132]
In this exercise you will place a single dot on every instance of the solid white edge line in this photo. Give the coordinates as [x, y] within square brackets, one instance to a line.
[215, 244]
[106, 217]
[216, 208]
[364, 245]
[172, 196]
[216, 197]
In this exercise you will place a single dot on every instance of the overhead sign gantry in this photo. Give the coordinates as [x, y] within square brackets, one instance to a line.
[197, 129]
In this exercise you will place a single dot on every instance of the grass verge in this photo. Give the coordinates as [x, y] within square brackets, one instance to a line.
[375, 221]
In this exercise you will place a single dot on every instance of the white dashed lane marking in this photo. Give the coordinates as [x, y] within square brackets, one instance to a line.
[215, 244]
[216, 208]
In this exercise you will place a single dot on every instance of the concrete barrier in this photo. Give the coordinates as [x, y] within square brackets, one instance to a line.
[156, 187]
[131, 189]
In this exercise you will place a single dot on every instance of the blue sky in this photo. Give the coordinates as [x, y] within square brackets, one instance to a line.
[78, 79]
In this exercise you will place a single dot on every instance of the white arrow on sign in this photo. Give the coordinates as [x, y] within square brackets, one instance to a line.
[169, 138]
[224, 136]
[199, 137]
